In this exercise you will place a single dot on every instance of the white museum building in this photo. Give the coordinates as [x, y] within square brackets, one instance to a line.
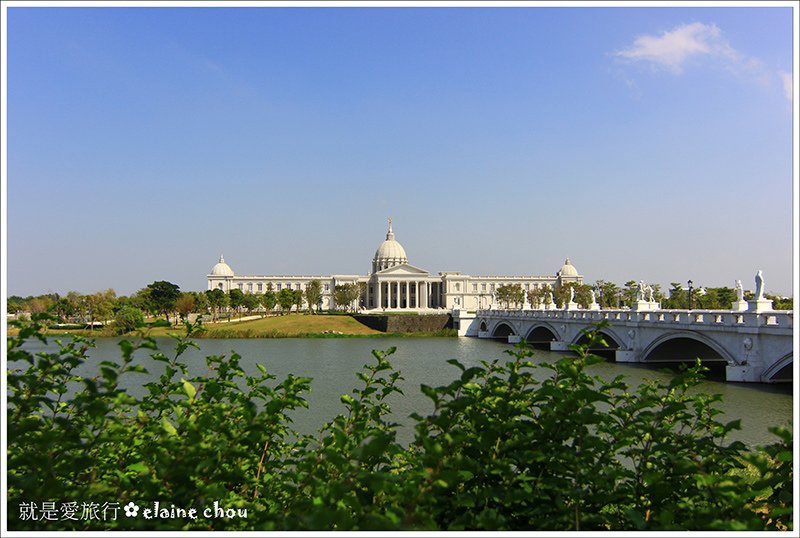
[394, 284]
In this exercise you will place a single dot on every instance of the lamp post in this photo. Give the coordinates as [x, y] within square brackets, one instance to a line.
[690, 294]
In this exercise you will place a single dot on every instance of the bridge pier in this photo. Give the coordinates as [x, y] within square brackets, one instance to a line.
[743, 373]
[626, 355]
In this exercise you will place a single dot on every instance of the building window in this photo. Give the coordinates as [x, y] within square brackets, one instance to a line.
[327, 287]
[474, 287]
[219, 285]
[492, 287]
[260, 287]
[241, 286]
[297, 286]
[483, 287]
[458, 286]
[249, 287]
[279, 286]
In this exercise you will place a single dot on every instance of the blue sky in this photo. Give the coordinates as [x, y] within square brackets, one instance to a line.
[648, 143]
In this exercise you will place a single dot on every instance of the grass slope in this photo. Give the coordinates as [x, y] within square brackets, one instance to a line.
[289, 325]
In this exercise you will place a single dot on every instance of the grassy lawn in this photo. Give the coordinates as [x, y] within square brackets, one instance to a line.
[289, 325]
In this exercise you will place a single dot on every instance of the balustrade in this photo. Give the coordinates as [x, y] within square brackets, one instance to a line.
[715, 318]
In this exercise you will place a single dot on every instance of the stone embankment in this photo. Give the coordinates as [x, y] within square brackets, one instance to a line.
[406, 323]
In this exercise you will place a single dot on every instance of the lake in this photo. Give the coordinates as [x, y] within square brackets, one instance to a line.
[333, 362]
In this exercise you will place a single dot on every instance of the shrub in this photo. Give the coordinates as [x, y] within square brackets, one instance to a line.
[501, 449]
[128, 318]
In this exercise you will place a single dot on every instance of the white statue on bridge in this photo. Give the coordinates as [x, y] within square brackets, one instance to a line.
[759, 285]
[739, 291]
[593, 305]
[760, 303]
[645, 292]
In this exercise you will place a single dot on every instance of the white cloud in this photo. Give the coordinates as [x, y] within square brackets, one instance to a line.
[672, 49]
[788, 86]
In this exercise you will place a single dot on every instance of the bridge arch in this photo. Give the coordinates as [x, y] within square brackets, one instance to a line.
[780, 371]
[686, 346]
[613, 343]
[503, 329]
[540, 336]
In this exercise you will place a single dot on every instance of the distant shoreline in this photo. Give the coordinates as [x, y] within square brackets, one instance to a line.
[288, 326]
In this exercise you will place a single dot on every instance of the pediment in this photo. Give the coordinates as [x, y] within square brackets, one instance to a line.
[403, 269]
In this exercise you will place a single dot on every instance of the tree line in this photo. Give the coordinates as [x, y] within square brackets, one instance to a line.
[163, 299]
[610, 295]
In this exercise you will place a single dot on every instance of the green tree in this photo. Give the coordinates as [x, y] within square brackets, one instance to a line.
[608, 294]
[128, 318]
[200, 302]
[561, 294]
[236, 300]
[99, 306]
[286, 300]
[537, 296]
[64, 309]
[217, 300]
[781, 303]
[269, 300]
[346, 295]
[251, 302]
[15, 304]
[510, 294]
[298, 299]
[40, 304]
[162, 296]
[313, 294]
[630, 292]
[678, 297]
[184, 305]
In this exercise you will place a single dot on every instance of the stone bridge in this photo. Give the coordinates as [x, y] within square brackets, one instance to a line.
[755, 346]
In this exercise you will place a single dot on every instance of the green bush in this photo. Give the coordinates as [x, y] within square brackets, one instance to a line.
[128, 318]
[500, 451]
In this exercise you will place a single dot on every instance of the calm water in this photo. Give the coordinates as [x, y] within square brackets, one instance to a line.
[332, 363]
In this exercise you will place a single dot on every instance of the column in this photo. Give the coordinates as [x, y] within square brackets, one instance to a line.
[408, 296]
[366, 296]
[416, 294]
[389, 294]
[379, 285]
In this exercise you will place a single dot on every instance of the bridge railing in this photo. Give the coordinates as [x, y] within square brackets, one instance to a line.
[687, 318]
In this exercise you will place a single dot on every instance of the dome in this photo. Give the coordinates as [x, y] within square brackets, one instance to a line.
[389, 253]
[568, 269]
[222, 268]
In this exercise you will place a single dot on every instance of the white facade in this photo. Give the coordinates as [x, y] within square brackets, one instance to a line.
[394, 284]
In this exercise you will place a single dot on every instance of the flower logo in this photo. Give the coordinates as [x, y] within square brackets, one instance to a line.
[131, 509]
